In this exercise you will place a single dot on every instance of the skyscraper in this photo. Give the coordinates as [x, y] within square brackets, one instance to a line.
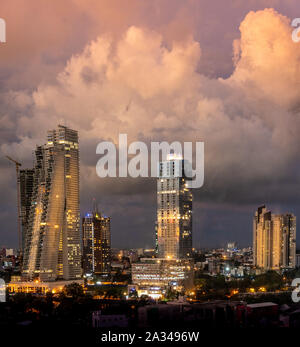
[286, 226]
[52, 245]
[174, 210]
[96, 244]
[274, 240]
[173, 232]
[26, 189]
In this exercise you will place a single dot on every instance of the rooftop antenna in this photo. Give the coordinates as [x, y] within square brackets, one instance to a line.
[95, 206]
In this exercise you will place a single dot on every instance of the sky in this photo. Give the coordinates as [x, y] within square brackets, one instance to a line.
[225, 73]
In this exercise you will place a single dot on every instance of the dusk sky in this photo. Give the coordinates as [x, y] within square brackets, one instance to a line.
[223, 72]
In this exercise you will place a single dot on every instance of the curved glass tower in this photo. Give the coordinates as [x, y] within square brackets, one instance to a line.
[52, 244]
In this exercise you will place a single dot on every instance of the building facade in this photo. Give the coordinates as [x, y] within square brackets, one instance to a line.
[96, 243]
[52, 245]
[26, 189]
[163, 273]
[274, 240]
[38, 287]
[174, 210]
[173, 232]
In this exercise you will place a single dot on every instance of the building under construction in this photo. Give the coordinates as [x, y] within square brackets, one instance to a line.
[50, 211]
[26, 189]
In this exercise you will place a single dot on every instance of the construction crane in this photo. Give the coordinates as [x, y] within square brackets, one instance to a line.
[18, 202]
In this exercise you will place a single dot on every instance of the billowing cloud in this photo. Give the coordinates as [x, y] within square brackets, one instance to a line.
[269, 64]
[137, 85]
[151, 88]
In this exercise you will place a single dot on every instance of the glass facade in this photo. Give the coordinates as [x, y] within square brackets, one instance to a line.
[96, 244]
[52, 247]
[26, 190]
[163, 272]
[174, 211]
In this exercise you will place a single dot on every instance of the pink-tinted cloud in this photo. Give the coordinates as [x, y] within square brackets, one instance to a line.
[128, 74]
[136, 85]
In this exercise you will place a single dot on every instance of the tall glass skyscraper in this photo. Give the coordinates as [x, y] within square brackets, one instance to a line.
[173, 232]
[52, 244]
[174, 210]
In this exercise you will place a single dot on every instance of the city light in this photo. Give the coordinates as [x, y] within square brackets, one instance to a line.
[140, 144]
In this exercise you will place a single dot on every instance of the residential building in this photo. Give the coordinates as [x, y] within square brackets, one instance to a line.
[96, 244]
[52, 244]
[274, 240]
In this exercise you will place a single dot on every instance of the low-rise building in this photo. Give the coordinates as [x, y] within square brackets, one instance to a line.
[158, 272]
[38, 287]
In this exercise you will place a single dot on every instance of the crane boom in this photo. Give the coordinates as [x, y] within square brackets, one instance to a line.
[14, 161]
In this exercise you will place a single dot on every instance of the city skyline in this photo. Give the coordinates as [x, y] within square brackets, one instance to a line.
[188, 72]
[166, 172]
[150, 174]
[27, 173]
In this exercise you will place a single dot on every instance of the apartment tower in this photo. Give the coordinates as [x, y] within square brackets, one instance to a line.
[52, 244]
[274, 240]
[96, 244]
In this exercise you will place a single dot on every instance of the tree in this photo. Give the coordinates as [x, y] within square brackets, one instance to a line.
[271, 280]
[171, 294]
[73, 290]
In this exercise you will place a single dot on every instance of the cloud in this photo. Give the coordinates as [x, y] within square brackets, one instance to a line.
[137, 85]
[153, 88]
[269, 63]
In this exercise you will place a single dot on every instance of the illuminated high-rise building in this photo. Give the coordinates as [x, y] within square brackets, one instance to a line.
[274, 240]
[285, 226]
[52, 244]
[262, 238]
[174, 210]
[26, 190]
[173, 231]
[96, 244]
